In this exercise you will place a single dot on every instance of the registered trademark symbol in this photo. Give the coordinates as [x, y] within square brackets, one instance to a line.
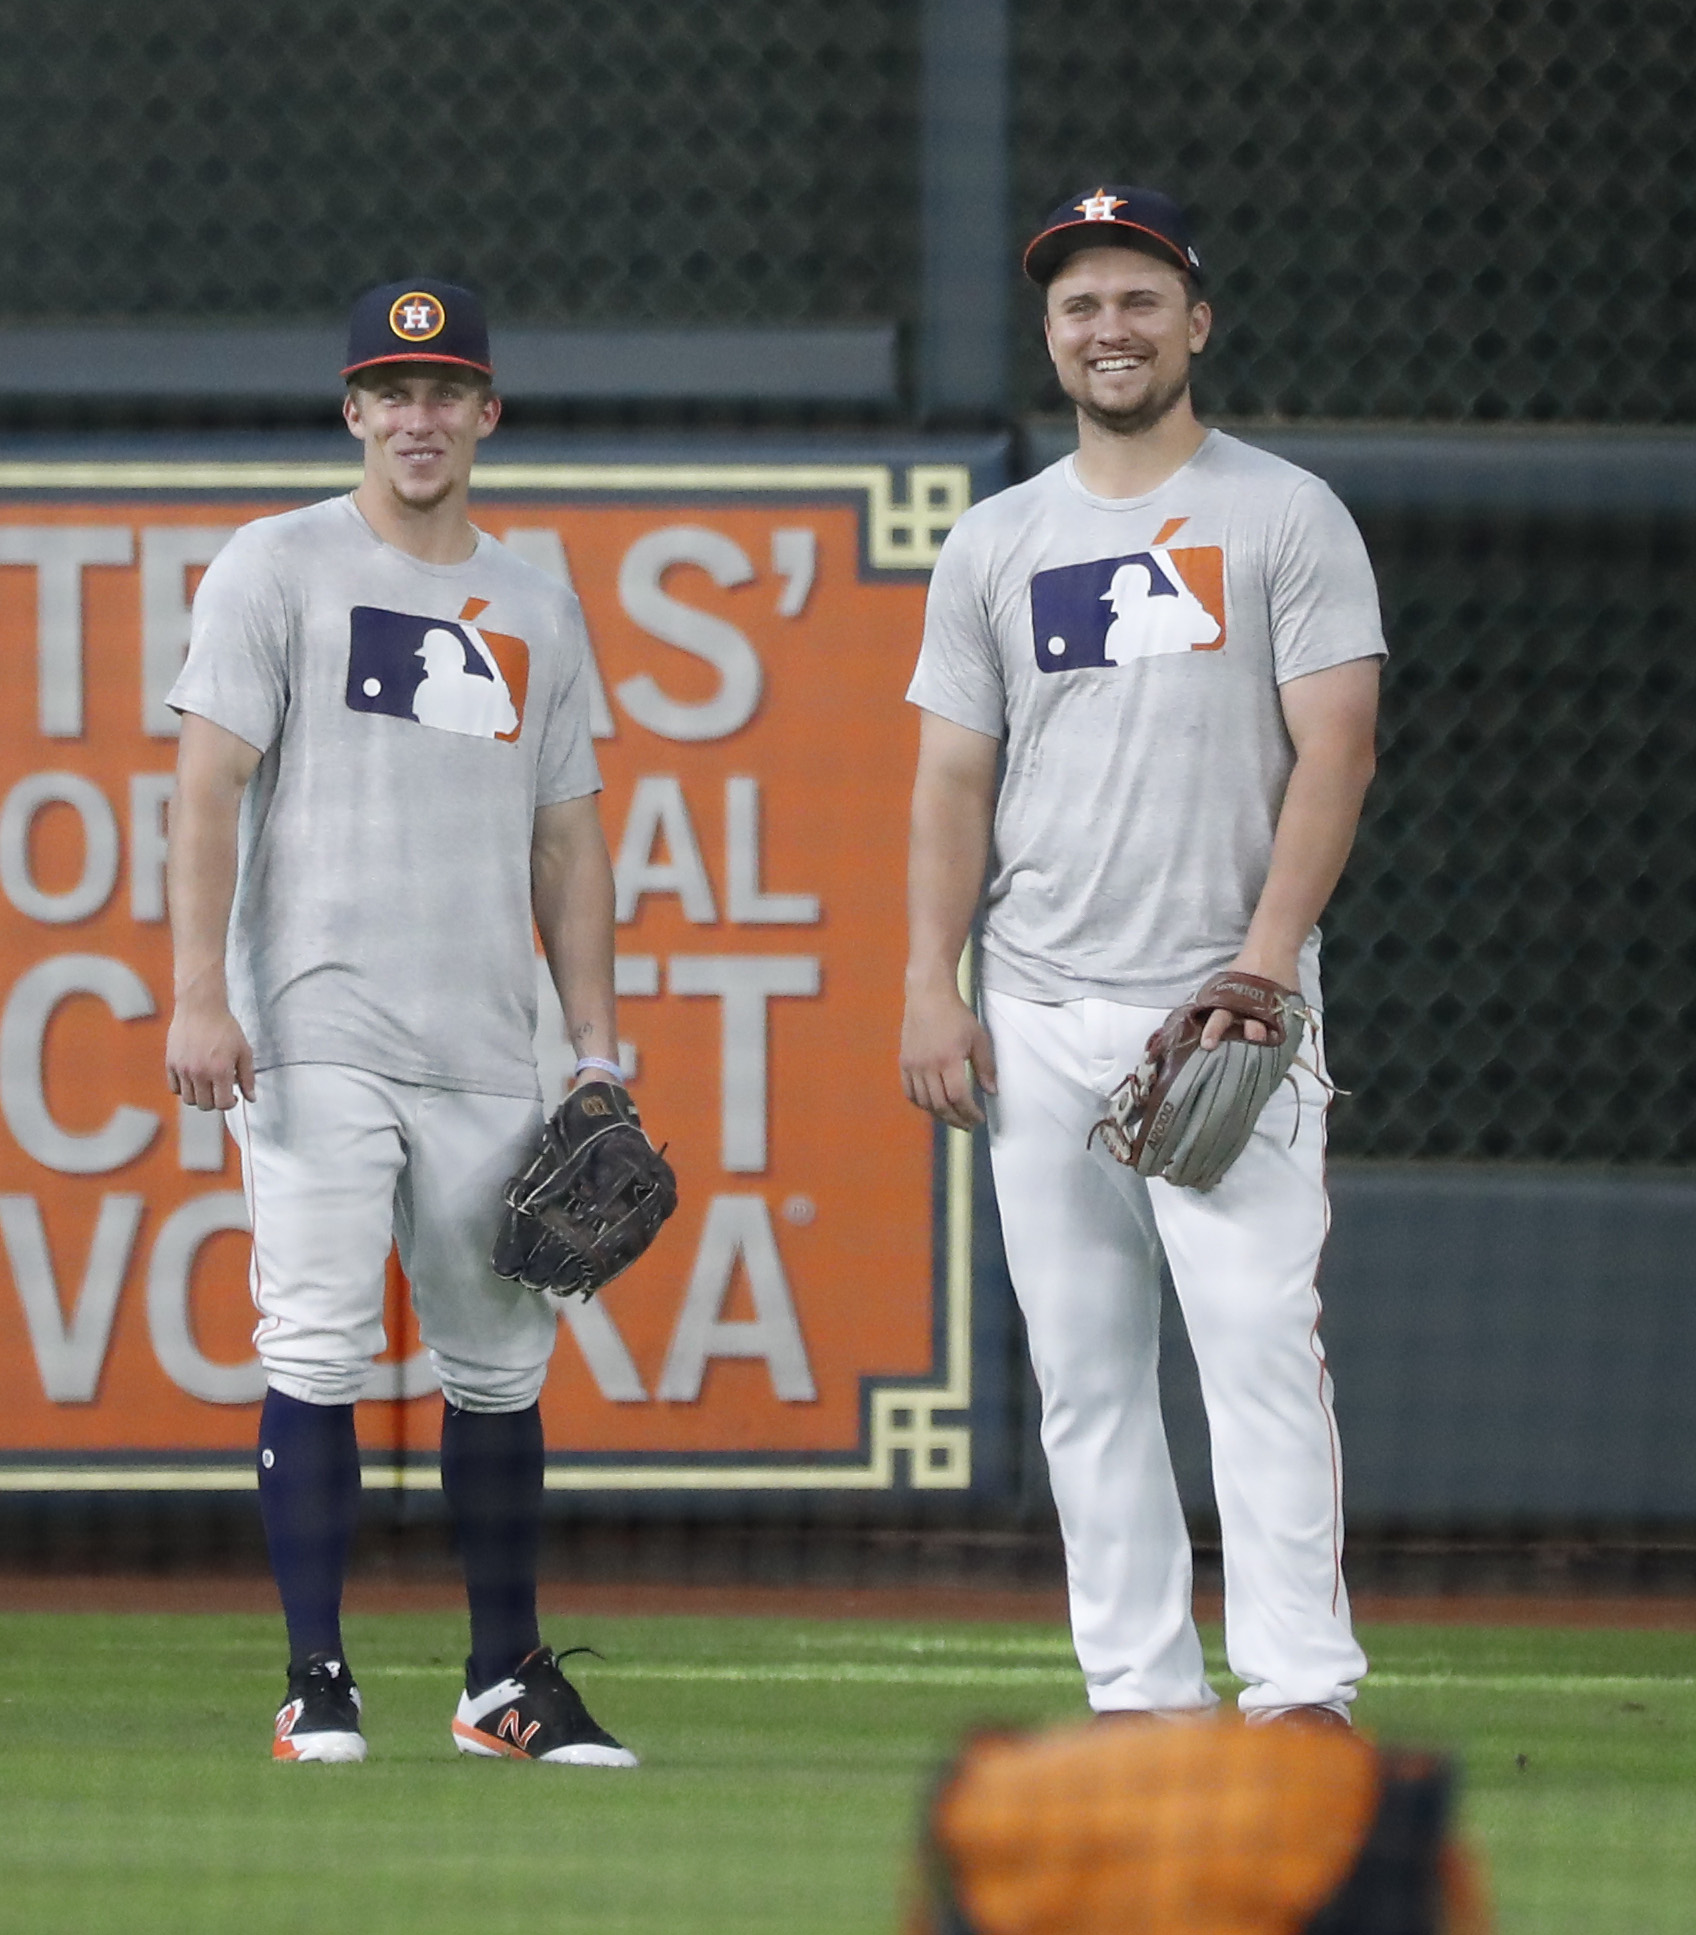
[800, 1209]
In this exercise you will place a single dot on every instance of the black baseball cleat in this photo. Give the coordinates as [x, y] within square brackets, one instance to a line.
[320, 1718]
[536, 1715]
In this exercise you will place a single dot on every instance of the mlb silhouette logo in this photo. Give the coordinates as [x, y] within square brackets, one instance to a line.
[454, 677]
[1145, 604]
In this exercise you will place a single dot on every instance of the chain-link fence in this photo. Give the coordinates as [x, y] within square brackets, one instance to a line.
[1511, 959]
[679, 163]
[1440, 209]
[1445, 209]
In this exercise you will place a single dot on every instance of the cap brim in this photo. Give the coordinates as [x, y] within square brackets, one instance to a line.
[420, 356]
[1051, 248]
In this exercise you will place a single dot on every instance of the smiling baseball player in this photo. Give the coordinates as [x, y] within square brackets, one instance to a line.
[385, 775]
[1170, 641]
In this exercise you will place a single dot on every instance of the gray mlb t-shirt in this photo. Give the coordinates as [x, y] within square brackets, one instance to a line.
[412, 718]
[1129, 653]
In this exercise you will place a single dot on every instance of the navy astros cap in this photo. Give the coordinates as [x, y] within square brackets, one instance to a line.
[1136, 218]
[418, 321]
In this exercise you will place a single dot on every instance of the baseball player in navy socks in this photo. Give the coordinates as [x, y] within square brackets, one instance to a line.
[385, 775]
[1148, 687]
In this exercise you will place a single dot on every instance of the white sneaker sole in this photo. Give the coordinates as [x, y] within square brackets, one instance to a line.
[590, 1756]
[470, 1741]
[321, 1746]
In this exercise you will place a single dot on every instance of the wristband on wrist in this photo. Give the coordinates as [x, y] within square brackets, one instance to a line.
[594, 1061]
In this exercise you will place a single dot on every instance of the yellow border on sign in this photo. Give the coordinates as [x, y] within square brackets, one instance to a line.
[903, 533]
[904, 1419]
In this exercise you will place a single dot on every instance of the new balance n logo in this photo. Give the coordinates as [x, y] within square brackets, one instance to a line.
[513, 1729]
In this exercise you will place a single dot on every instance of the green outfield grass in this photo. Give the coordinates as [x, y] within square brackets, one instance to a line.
[784, 1761]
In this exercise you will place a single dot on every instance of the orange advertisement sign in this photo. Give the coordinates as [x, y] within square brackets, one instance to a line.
[754, 628]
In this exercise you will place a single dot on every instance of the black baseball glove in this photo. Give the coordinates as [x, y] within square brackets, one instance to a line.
[590, 1200]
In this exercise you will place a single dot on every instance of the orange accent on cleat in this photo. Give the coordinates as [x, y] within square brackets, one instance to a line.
[490, 1743]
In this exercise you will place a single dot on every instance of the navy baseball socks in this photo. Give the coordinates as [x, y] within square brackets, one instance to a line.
[309, 1501]
[517, 1703]
[492, 1477]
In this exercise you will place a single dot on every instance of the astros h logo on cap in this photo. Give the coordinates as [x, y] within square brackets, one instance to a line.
[419, 320]
[417, 316]
[1134, 218]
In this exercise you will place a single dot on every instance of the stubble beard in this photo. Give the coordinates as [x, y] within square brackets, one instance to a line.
[424, 497]
[1155, 407]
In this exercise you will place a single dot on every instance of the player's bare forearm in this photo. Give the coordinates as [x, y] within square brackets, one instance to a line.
[943, 1044]
[571, 890]
[207, 1057]
[1332, 719]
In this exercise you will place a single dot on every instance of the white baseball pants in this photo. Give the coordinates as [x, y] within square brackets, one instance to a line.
[338, 1163]
[1084, 1239]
